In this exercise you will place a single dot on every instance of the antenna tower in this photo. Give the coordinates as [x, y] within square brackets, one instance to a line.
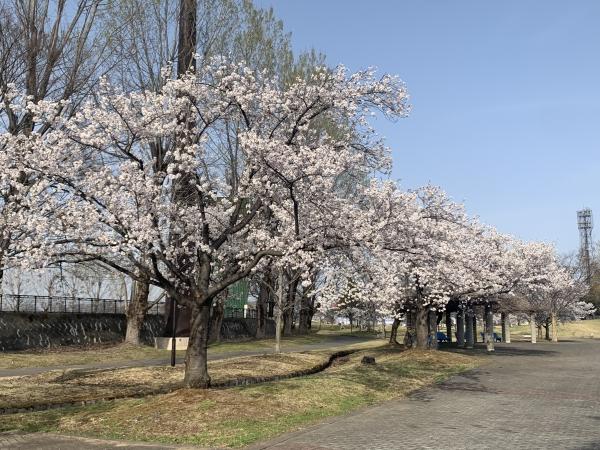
[585, 224]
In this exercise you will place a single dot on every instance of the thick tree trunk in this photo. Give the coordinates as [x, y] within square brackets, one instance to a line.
[394, 332]
[474, 327]
[554, 327]
[422, 327]
[216, 318]
[304, 315]
[533, 329]
[489, 327]
[136, 312]
[196, 357]
[449, 326]
[505, 318]
[262, 303]
[547, 330]
[432, 340]
[460, 327]
[410, 337]
[288, 313]
[279, 313]
[470, 328]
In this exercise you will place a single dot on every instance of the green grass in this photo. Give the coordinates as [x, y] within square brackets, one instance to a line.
[240, 416]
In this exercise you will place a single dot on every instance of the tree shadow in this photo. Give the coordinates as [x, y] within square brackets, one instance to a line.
[500, 350]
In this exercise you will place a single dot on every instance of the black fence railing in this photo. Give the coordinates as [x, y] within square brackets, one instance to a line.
[52, 304]
[240, 313]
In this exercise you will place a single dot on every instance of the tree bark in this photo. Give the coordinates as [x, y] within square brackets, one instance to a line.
[474, 327]
[449, 326]
[288, 313]
[505, 318]
[262, 303]
[533, 329]
[216, 318]
[279, 313]
[394, 331]
[432, 341]
[547, 329]
[489, 327]
[554, 327]
[196, 357]
[304, 314]
[136, 312]
[469, 335]
[460, 327]
[422, 327]
[410, 337]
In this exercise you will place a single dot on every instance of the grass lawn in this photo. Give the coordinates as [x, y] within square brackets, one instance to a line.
[581, 329]
[235, 417]
[123, 353]
[75, 385]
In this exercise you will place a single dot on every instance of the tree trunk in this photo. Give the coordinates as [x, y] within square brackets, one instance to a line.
[533, 329]
[304, 315]
[449, 326]
[505, 318]
[422, 327]
[216, 319]
[489, 327]
[432, 341]
[196, 357]
[547, 330]
[279, 313]
[470, 329]
[554, 327]
[288, 313]
[394, 332]
[460, 327]
[262, 303]
[410, 337]
[474, 327]
[187, 36]
[136, 312]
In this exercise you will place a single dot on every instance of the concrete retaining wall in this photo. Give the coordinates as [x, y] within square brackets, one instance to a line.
[21, 331]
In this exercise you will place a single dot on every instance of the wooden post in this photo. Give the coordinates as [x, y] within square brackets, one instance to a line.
[470, 342]
[449, 326]
[460, 327]
[489, 327]
[533, 328]
[505, 317]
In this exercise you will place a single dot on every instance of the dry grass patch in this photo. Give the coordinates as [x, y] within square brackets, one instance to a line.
[239, 416]
[581, 329]
[69, 356]
[76, 385]
[80, 356]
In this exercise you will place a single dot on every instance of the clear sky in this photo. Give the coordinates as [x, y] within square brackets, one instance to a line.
[505, 97]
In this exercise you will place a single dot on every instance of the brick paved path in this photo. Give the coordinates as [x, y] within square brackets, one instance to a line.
[543, 396]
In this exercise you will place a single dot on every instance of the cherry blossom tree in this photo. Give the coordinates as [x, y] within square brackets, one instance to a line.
[111, 204]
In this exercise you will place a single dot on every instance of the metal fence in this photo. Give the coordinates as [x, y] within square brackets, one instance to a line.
[239, 313]
[75, 305]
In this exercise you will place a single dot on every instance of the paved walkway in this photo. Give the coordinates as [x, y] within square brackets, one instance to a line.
[336, 341]
[543, 396]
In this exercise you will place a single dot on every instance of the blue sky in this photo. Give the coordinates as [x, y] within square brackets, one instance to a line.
[505, 96]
